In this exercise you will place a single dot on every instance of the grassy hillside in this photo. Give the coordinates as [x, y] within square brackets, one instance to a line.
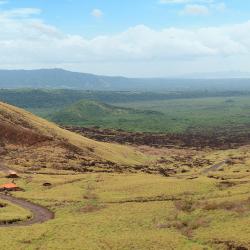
[19, 127]
[93, 113]
[178, 198]
[192, 210]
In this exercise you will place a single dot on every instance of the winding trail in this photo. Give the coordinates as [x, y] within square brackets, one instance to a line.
[40, 214]
[214, 167]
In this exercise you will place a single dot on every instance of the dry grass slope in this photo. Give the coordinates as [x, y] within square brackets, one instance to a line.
[18, 127]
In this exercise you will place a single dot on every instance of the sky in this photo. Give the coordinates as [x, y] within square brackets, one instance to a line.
[136, 38]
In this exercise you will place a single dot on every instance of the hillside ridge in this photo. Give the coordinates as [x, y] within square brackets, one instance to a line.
[90, 112]
[25, 130]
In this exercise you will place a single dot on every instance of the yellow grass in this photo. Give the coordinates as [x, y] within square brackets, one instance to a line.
[105, 151]
[191, 210]
[12, 213]
[122, 211]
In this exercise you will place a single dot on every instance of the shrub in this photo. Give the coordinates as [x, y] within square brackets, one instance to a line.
[186, 205]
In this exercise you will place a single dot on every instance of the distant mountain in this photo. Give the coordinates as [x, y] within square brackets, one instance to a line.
[58, 78]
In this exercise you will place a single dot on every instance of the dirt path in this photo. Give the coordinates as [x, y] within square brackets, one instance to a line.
[214, 167]
[39, 214]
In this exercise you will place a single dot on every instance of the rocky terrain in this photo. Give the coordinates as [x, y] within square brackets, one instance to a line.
[216, 140]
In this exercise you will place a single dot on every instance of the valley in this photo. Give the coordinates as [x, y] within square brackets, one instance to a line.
[116, 189]
[124, 125]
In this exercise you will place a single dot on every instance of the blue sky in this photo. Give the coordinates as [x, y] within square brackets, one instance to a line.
[74, 16]
[132, 37]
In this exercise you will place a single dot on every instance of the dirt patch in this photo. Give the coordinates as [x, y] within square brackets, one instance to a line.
[186, 205]
[92, 203]
[146, 199]
[18, 135]
[181, 220]
[185, 227]
[235, 206]
[91, 208]
[225, 184]
[2, 205]
[231, 245]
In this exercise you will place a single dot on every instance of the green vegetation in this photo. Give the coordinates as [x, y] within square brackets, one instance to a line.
[93, 113]
[174, 112]
[175, 116]
[199, 114]
[58, 98]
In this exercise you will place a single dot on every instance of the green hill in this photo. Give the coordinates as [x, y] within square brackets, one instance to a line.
[93, 113]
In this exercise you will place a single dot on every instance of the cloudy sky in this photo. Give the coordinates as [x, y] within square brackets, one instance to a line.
[131, 38]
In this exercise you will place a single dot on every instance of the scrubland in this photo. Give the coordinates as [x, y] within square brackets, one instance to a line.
[191, 210]
[108, 196]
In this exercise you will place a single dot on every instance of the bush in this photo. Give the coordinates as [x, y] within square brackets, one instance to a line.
[186, 205]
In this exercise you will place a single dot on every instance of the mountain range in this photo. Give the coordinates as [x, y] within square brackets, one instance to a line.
[63, 79]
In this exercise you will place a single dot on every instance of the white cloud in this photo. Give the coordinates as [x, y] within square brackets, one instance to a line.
[20, 13]
[97, 13]
[29, 42]
[195, 9]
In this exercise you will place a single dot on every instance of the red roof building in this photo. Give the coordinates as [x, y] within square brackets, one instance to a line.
[9, 187]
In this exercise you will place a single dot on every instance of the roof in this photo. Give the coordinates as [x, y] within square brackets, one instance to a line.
[8, 186]
[12, 172]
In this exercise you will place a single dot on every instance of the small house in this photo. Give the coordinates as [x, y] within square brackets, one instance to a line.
[12, 174]
[10, 187]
